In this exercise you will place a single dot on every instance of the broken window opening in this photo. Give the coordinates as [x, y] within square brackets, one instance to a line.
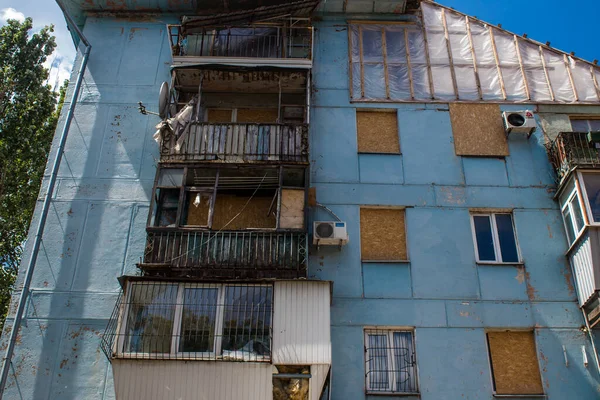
[232, 199]
[288, 383]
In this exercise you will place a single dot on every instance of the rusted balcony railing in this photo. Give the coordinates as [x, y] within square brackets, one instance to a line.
[575, 149]
[244, 42]
[246, 254]
[235, 142]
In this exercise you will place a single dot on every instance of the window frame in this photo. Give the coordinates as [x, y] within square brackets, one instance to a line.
[584, 193]
[495, 238]
[393, 384]
[574, 195]
[587, 119]
[212, 193]
[174, 353]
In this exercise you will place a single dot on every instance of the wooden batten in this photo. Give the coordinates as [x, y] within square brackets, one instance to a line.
[450, 58]
[496, 58]
[546, 73]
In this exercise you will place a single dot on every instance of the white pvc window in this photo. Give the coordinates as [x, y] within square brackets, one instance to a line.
[591, 188]
[495, 239]
[572, 217]
[390, 361]
[196, 321]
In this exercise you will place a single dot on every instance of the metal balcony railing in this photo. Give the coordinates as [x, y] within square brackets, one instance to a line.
[575, 149]
[244, 42]
[238, 142]
[233, 254]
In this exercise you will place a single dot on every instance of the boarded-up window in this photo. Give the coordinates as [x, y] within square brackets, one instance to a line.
[218, 115]
[197, 209]
[292, 209]
[257, 213]
[377, 132]
[382, 234]
[478, 130]
[514, 363]
[257, 115]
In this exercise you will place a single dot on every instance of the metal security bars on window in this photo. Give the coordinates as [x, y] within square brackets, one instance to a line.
[390, 361]
[192, 321]
[451, 56]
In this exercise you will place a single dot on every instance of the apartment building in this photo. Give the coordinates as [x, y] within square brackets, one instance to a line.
[335, 199]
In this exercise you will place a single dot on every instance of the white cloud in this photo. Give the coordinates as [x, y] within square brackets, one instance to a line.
[59, 69]
[11, 13]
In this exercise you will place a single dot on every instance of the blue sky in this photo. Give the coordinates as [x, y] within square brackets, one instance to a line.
[569, 26]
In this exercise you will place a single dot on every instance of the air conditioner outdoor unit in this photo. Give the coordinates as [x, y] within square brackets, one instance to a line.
[519, 122]
[330, 233]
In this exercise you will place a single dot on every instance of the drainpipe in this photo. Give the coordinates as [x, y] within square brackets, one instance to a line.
[46, 204]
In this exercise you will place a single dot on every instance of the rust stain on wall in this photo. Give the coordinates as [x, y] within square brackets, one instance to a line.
[569, 280]
[549, 231]
[520, 275]
[531, 291]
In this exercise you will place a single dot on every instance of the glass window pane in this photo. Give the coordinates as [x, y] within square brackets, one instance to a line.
[377, 362]
[247, 322]
[594, 124]
[485, 241]
[149, 325]
[592, 187]
[577, 214]
[405, 374]
[198, 320]
[569, 225]
[506, 236]
[170, 177]
[579, 125]
[168, 202]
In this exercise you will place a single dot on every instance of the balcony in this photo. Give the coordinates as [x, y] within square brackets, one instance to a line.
[238, 142]
[225, 254]
[272, 43]
[575, 149]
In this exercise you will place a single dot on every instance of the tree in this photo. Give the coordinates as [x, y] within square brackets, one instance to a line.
[28, 118]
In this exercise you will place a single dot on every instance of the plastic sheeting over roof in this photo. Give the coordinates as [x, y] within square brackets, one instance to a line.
[452, 56]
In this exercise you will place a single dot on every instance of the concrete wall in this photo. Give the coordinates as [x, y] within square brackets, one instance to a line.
[442, 292]
[95, 229]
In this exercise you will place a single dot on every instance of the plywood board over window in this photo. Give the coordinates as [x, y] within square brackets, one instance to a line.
[292, 209]
[257, 115]
[478, 130]
[254, 213]
[382, 234]
[377, 132]
[219, 115]
[515, 366]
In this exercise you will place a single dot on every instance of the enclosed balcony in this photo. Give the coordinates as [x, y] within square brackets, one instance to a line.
[175, 338]
[571, 150]
[230, 222]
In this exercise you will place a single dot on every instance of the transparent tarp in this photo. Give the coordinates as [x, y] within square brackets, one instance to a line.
[466, 60]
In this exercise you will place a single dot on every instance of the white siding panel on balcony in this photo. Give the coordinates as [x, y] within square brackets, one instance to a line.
[583, 267]
[191, 380]
[319, 374]
[301, 333]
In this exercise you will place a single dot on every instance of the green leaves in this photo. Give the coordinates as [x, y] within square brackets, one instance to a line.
[28, 118]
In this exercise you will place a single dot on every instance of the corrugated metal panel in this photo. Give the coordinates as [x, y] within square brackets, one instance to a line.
[301, 332]
[583, 267]
[181, 380]
[319, 374]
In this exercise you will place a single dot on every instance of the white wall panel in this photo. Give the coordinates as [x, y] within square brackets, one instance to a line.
[301, 330]
[319, 374]
[192, 380]
[583, 267]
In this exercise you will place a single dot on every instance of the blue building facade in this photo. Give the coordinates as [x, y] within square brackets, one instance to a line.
[463, 277]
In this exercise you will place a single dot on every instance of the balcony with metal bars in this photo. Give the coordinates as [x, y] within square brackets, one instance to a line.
[572, 150]
[279, 43]
[238, 143]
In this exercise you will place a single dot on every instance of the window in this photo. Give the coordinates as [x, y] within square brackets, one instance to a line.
[478, 130]
[382, 234]
[572, 216]
[242, 115]
[377, 132]
[591, 184]
[390, 361]
[585, 125]
[514, 364]
[229, 198]
[199, 321]
[495, 239]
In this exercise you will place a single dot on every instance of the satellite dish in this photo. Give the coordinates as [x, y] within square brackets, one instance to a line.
[163, 100]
